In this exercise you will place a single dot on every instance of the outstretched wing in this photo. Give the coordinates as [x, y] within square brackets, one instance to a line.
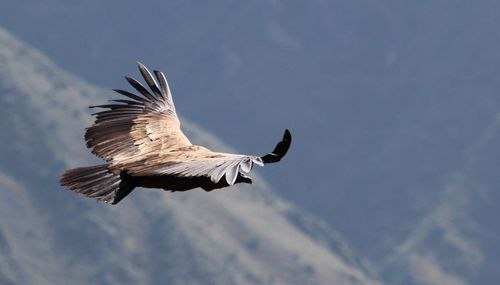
[215, 168]
[139, 125]
[197, 163]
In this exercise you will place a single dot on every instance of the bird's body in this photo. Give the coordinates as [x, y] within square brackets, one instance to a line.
[141, 140]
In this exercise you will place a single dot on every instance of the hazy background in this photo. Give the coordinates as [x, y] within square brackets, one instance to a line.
[394, 108]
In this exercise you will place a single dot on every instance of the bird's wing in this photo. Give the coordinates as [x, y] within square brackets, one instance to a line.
[196, 161]
[138, 126]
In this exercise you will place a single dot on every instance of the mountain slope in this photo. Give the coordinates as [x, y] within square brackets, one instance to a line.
[243, 235]
[393, 105]
[385, 97]
[456, 242]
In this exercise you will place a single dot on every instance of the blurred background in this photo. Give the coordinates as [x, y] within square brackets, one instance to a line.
[392, 177]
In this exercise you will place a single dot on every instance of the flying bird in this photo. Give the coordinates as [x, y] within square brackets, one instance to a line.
[140, 139]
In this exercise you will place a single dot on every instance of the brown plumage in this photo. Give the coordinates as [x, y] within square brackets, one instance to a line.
[141, 140]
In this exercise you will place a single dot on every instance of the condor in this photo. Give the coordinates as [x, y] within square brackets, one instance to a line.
[141, 140]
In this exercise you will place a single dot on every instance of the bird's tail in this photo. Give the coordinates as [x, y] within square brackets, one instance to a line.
[98, 182]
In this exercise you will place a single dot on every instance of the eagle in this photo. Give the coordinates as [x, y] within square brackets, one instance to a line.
[140, 138]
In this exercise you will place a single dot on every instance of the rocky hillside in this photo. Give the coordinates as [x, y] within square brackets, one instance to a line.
[242, 235]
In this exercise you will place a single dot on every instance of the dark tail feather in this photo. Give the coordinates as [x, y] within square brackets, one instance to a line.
[98, 182]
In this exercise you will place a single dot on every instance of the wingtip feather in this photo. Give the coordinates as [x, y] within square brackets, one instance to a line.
[140, 64]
